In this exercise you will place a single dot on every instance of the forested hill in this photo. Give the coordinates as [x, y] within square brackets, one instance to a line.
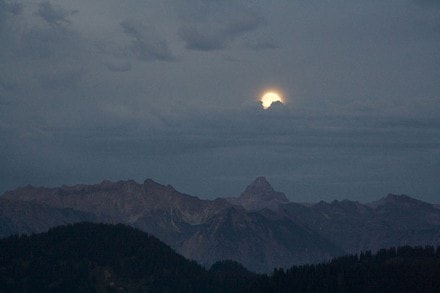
[401, 269]
[89, 257]
[107, 258]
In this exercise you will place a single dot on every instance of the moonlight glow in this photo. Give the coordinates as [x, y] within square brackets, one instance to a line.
[270, 97]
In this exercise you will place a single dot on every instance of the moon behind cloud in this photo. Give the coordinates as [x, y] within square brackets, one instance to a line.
[270, 97]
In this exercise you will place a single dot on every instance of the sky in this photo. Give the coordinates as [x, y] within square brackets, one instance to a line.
[169, 90]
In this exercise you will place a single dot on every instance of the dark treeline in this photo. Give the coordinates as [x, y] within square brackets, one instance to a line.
[116, 258]
[401, 269]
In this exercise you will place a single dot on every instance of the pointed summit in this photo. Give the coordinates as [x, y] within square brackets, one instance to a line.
[259, 195]
[260, 189]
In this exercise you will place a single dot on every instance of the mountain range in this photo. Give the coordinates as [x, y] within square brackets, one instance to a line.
[261, 228]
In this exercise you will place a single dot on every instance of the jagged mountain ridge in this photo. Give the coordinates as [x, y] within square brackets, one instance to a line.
[392, 221]
[260, 229]
[188, 224]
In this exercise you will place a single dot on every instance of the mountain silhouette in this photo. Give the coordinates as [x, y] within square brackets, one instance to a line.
[260, 228]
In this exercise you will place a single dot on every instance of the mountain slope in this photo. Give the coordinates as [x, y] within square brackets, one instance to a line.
[260, 229]
[203, 230]
[392, 221]
[150, 206]
[259, 240]
[22, 217]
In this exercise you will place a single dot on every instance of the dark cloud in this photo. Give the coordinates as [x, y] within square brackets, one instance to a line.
[45, 43]
[429, 3]
[6, 88]
[147, 44]
[52, 15]
[61, 80]
[431, 19]
[216, 31]
[10, 7]
[118, 65]
[203, 41]
[259, 46]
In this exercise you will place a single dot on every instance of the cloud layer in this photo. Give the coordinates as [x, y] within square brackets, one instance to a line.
[147, 44]
[208, 36]
[144, 89]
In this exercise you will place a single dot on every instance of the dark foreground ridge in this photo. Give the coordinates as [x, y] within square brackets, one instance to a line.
[89, 257]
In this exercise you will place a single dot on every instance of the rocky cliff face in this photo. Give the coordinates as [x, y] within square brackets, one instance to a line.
[260, 228]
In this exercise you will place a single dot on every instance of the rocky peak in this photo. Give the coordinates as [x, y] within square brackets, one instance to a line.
[260, 189]
[150, 184]
[399, 200]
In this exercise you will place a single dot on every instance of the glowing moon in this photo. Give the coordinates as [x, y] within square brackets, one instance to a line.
[270, 97]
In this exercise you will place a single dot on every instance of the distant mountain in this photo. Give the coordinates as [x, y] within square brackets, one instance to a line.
[23, 217]
[260, 229]
[392, 221]
[152, 207]
[259, 195]
[259, 240]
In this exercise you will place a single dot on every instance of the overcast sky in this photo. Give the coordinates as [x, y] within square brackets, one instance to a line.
[168, 90]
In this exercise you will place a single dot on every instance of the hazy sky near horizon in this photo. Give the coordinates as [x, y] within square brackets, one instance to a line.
[168, 90]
